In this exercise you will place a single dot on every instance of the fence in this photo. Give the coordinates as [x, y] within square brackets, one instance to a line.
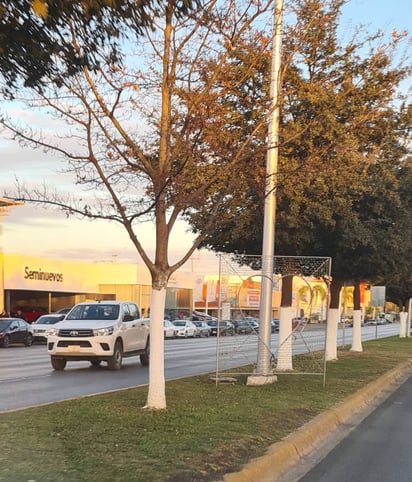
[239, 290]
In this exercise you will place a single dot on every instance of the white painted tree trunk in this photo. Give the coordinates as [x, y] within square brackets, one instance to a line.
[331, 351]
[285, 339]
[357, 332]
[156, 399]
[403, 316]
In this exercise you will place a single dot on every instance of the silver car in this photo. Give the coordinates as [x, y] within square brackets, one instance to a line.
[170, 330]
[185, 328]
[43, 324]
[203, 328]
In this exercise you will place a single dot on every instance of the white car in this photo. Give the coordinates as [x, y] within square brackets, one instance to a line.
[203, 328]
[43, 324]
[170, 330]
[185, 328]
[100, 331]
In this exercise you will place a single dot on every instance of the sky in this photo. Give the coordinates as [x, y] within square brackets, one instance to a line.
[38, 232]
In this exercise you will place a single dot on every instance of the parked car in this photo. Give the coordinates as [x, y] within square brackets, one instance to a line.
[15, 330]
[255, 325]
[244, 328]
[43, 324]
[170, 330]
[199, 316]
[203, 328]
[185, 328]
[225, 327]
[250, 318]
[28, 314]
[274, 325]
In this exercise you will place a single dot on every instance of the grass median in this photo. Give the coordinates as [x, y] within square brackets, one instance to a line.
[206, 431]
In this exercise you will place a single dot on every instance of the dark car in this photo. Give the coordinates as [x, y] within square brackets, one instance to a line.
[245, 328]
[275, 325]
[15, 330]
[43, 324]
[225, 327]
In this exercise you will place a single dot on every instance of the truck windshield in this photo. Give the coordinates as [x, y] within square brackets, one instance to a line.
[94, 312]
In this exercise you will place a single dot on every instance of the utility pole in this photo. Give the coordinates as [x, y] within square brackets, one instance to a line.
[263, 374]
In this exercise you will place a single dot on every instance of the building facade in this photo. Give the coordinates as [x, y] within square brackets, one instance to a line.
[50, 285]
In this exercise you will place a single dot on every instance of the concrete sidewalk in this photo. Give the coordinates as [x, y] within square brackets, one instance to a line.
[291, 458]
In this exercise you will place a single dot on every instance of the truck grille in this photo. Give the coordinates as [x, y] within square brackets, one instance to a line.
[76, 333]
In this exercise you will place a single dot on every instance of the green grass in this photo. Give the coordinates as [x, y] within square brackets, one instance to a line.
[207, 429]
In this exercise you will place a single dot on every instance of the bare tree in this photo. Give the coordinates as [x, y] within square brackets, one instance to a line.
[148, 141]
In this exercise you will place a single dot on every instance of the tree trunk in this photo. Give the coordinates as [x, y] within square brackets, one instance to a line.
[403, 318]
[284, 361]
[356, 325]
[331, 352]
[156, 398]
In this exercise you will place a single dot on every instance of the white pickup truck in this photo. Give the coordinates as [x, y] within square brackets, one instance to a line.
[100, 331]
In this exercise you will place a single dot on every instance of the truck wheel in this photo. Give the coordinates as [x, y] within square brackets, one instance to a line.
[145, 357]
[115, 361]
[29, 340]
[58, 363]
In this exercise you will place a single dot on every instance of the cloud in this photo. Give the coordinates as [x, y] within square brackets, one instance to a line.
[47, 232]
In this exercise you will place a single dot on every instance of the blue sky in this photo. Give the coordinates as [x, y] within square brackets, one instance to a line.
[50, 234]
[380, 14]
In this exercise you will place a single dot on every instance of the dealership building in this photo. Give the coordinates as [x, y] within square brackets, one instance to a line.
[50, 284]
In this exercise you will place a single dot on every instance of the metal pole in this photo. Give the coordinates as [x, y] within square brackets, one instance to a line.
[268, 245]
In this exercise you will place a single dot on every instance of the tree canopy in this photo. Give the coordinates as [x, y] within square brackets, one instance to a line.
[344, 139]
[40, 39]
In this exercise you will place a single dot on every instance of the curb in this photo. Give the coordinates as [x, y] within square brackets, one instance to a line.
[285, 455]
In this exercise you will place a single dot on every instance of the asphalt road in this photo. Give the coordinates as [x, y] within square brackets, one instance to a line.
[27, 378]
[377, 450]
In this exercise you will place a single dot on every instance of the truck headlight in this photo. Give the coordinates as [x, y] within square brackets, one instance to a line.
[103, 331]
[53, 332]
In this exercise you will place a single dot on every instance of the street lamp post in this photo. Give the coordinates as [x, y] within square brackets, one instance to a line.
[263, 374]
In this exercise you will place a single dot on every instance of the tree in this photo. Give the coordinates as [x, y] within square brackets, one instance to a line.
[335, 122]
[399, 279]
[148, 141]
[340, 137]
[36, 35]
